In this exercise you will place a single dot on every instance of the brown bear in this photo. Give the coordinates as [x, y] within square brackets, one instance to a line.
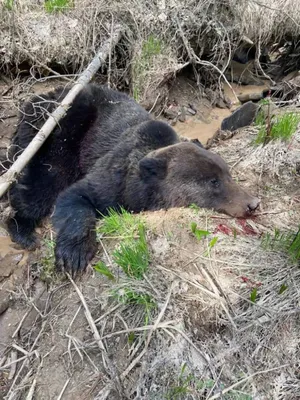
[108, 152]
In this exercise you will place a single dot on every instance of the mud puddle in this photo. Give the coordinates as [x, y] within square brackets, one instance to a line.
[208, 120]
[243, 91]
[195, 128]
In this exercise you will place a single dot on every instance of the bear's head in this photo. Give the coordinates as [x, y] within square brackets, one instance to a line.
[185, 174]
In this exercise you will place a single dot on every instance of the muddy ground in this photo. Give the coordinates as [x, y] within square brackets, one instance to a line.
[204, 337]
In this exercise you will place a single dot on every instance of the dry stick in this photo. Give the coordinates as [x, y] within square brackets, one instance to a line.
[9, 177]
[63, 389]
[155, 326]
[228, 389]
[195, 58]
[96, 334]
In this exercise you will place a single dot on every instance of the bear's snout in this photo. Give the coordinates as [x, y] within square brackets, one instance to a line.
[253, 205]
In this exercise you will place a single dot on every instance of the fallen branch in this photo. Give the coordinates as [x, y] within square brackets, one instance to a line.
[10, 176]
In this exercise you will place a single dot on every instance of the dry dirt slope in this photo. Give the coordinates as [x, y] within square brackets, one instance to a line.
[199, 333]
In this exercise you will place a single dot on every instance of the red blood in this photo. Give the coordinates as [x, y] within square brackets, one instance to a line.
[223, 229]
[246, 228]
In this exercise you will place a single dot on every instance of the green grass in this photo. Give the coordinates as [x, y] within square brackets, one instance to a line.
[132, 297]
[199, 233]
[48, 272]
[57, 5]
[189, 383]
[133, 255]
[9, 4]
[102, 269]
[120, 224]
[282, 127]
[287, 242]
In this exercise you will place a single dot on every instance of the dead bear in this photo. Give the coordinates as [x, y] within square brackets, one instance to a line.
[108, 152]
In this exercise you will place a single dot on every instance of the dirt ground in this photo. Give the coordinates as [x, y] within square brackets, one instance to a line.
[205, 338]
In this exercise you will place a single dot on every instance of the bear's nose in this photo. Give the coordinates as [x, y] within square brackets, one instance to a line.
[253, 205]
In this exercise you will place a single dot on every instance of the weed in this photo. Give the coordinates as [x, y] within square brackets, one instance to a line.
[57, 5]
[281, 127]
[48, 272]
[102, 269]
[287, 242]
[182, 387]
[119, 224]
[253, 295]
[129, 296]
[211, 244]
[9, 4]
[194, 207]
[133, 255]
[283, 288]
[198, 232]
[189, 383]
[260, 119]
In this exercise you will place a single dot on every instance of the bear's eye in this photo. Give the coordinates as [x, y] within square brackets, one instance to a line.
[215, 182]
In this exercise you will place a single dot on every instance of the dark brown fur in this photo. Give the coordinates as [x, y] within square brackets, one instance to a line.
[109, 152]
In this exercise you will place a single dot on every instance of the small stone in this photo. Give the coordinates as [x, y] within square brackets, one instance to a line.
[220, 103]
[171, 113]
[191, 111]
[182, 117]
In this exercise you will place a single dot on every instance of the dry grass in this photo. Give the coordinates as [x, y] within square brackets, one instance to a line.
[205, 32]
[223, 321]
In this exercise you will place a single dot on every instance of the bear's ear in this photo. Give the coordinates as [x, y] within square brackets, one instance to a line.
[152, 167]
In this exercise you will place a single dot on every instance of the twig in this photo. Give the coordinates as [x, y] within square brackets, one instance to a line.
[31, 390]
[9, 176]
[229, 388]
[161, 314]
[197, 60]
[63, 389]
[13, 368]
[96, 335]
[10, 393]
[154, 104]
[139, 329]
[8, 116]
[107, 313]
[110, 51]
[281, 11]
[15, 361]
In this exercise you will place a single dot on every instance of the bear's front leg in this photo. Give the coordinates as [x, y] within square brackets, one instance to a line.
[74, 220]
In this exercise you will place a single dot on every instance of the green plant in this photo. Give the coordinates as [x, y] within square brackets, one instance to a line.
[198, 232]
[48, 272]
[133, 255]
[119, 224]
[182, 387]
[57, 5]
[129, 296]
[288, 242]
[253, 295]
[211, 244]
[281, 127]
[9, 4]
[102, 269]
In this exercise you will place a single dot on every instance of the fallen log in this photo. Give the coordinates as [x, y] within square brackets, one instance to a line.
[7, 179]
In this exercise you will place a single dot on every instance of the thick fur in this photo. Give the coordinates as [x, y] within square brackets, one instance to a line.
[109, 152]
